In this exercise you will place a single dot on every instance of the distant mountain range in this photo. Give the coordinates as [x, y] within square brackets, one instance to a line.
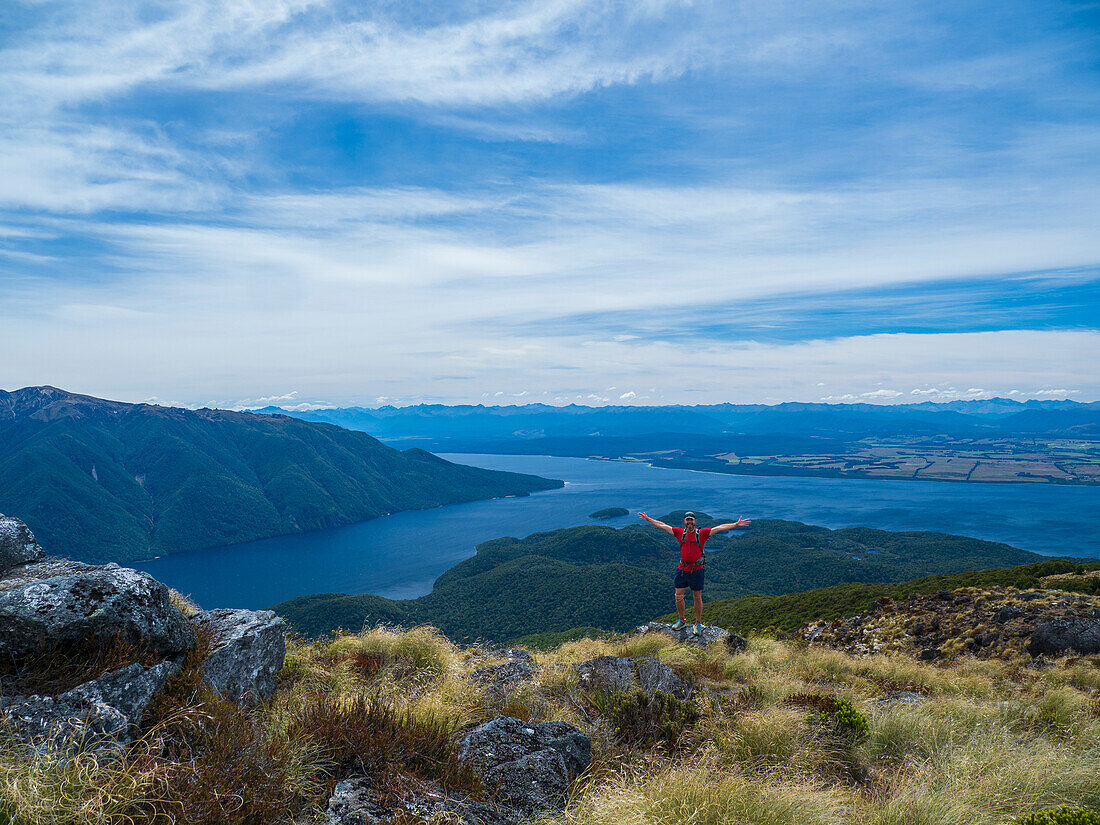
[791, 428]
[615, 579]
[102, 480]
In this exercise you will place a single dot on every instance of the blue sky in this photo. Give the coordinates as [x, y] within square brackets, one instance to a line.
[563, 201]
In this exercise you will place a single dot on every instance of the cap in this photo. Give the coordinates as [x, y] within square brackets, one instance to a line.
[689, 514]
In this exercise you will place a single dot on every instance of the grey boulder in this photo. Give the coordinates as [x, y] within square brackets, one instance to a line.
[1007, 613]
[247, 649]
[1062, 635]
[512, 654]
[685, 636]
[98, 716]
[129, 689]
[623, 673]
[536, 783]
[526, 767]
[574, 746]
[60, 602]
[17, 544]
[519, 666]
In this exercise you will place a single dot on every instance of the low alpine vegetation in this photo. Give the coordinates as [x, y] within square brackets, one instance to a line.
[1061, 816]
[837, 715]
[781, 733]
[643, 720]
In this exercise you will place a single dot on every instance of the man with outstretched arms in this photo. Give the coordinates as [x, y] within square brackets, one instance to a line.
[692, 561]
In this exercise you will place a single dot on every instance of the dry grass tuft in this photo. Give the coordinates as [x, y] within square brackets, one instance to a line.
[215, 762]
[183, 603]
[49, 790]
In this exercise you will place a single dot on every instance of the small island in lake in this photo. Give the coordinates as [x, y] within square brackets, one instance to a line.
[609, 512]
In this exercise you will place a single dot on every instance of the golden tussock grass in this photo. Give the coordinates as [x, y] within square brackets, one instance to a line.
[990, 741]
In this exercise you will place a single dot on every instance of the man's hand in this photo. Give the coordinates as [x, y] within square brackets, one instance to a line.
[732, 525]
[656, 523]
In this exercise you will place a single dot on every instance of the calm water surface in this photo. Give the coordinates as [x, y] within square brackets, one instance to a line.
[400, 556]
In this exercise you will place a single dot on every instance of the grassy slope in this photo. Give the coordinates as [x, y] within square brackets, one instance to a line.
[990, 742]
[138, 481]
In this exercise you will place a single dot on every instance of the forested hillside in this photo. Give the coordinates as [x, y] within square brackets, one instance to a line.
[105, 481]
[615, 579]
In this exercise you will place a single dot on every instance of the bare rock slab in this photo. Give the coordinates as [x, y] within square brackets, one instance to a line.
[685, 636]
[59, 602]
[247, 650]
[627, 673]
[98, 716]
[17, 544]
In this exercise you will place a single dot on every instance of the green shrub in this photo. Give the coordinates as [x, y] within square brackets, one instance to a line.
[1061, 816]
[642, 720]
[837, 715]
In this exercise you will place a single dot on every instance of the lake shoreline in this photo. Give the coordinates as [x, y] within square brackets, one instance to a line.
[360, 558]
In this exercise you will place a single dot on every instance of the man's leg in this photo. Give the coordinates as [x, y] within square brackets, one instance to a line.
[680, 602]
[698, 594]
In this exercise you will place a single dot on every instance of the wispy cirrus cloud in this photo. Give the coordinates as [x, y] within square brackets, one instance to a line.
[342, 198]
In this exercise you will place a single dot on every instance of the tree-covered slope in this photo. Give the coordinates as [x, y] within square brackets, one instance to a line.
[615, 579]
[101, 480]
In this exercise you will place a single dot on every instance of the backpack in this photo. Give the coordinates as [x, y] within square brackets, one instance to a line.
[701, 559]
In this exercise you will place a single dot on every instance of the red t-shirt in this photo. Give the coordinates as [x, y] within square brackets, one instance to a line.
[702, 534]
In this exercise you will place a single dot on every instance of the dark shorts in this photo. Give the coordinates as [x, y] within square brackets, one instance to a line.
[694, 579]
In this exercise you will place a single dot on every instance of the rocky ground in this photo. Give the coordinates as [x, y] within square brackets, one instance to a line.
[986, 623]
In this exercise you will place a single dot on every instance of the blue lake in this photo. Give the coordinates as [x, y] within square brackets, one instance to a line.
[400, 556]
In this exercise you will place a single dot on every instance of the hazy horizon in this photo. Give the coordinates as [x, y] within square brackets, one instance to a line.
[288, 404]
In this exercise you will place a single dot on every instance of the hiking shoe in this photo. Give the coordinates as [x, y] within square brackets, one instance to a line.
[697, 630]
[679, 624]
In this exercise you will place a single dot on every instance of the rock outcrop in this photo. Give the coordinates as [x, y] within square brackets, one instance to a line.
[58, 602]
[17, 544]
[52, 607]
[99, 715]
[527, 768]
[499, 680]
[625, 673]
[1064, 635]
[685, 636]
[358, 801]
[992, 622]
[247, 649]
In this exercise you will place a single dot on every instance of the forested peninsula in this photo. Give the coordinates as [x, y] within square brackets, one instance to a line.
[597, 576]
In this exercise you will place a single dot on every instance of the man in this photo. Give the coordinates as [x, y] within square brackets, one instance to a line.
[692, 562]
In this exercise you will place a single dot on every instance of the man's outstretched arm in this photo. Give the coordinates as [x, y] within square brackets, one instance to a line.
[732, 525]
[656, 523]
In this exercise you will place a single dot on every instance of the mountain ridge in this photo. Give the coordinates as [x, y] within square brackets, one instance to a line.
[102, 480]
[451, 425]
